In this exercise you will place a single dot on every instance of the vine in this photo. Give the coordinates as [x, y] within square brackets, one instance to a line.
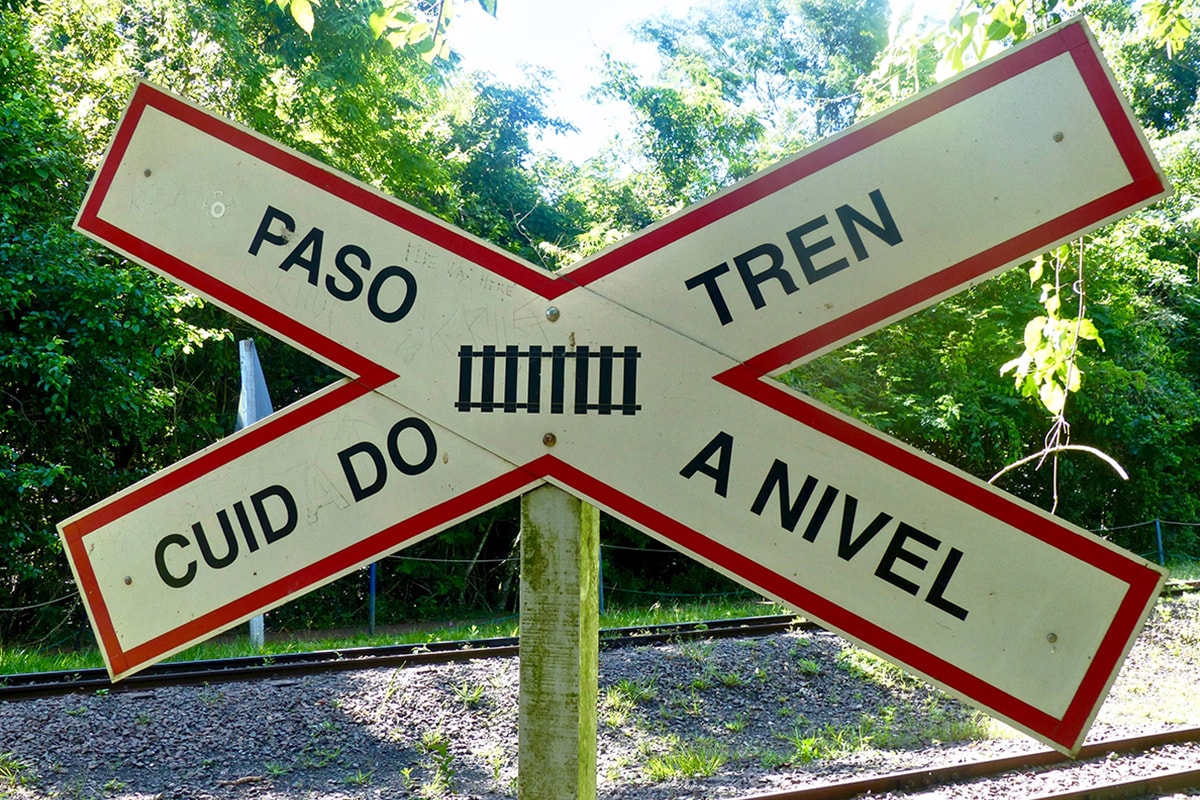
[1048, 369]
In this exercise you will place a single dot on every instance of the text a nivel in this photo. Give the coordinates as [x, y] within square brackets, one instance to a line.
[905, 544]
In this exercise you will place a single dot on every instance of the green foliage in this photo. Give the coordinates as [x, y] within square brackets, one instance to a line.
[420, 27]
[88, 348]
[14, 772]
[1155, 54]
[742, 83]
[1170, 22]
[696, 140]
[1048, 369]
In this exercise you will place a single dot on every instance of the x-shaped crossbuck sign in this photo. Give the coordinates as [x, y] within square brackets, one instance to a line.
[640, 380]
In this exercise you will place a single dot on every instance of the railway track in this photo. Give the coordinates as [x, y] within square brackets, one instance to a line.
[1154, 765]
[919, 782]
[24, 686]
[46, 684]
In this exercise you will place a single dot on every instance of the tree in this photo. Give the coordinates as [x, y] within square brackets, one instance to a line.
[793, 63]
[421, 26]
[110, 373]
[1130, 391]
[85, 344]
[742, 84]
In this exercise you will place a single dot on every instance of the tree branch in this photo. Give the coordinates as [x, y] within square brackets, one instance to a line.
[1060, 448]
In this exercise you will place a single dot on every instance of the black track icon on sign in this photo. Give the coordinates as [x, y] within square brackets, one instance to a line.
[511, 379]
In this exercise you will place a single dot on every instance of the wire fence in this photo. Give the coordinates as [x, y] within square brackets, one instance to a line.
[1165, 542]
[1169, 543]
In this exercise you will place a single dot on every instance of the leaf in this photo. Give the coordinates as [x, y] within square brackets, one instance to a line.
[1033, 333]
[1035, 272]
[1053, 397]
[1074, 379]
[1020, 364]
[1087, 330]
[489, 6]
[998, 30]
[303, 14]
[417, 33]
[378, 22]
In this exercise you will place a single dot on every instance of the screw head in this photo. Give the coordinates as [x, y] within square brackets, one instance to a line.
[128, 580]
[552, 314]
[1058, 136]
[549, 440]
[1051, 637]
[146, 173]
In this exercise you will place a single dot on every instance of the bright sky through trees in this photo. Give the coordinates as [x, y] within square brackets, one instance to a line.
[570, 39]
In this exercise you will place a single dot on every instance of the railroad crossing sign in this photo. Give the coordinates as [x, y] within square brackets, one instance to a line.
[640, 380]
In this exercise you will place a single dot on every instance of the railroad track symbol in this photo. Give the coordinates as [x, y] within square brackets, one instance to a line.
[592, 386]
[640, 380]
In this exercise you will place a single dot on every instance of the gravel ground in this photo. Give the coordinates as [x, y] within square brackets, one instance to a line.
[760, 715]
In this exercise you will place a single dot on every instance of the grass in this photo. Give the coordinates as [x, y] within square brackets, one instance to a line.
[469, 694]
[13, 771]
[14, 660]
[1184, 569]
[622, 697]
[698, 759]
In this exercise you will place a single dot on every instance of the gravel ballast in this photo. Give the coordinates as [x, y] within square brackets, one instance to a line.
[761, 715]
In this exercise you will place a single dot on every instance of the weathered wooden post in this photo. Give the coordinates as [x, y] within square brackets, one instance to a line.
[560, 547]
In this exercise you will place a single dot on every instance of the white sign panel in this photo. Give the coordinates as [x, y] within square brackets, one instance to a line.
[639, 379]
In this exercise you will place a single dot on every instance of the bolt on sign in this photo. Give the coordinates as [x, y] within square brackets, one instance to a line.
[640, 380]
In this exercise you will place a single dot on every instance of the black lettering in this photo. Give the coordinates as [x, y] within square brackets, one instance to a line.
[937, 592]
[299, 257]
[896, 552]
[264, 234]
[789, 513]
[239, 508]
[356, 280]
[774, 271]
[709, 281]
[393, 445]
[231, 548]
[885, 229]
[160, 561]
[722, 447]
[357, 490]
[410, 294]
[848, 544]
[805, 252]
[822, 511]
[273, 533]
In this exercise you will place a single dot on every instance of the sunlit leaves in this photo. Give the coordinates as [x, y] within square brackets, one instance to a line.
[1048, 369]
[1170, 22]
[300, 10]
[403, 24]
[303, 14]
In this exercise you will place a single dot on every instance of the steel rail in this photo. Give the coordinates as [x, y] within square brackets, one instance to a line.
[919, 779]
[23, 686]
[1161, 783]
[1180, 587]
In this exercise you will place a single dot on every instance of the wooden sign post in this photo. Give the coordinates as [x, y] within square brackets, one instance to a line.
[560, 564]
